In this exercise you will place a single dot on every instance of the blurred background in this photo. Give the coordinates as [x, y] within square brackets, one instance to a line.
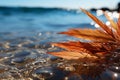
[51, 15]
[41, 20]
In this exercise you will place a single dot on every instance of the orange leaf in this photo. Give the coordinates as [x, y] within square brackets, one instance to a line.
[90, 48]
[103, 41]
[113, 24]
[89, 34]
[100, 23]
[118, 23]
[72, 46]
[72, 55]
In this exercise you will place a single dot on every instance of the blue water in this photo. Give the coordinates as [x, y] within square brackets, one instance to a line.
[13, 19]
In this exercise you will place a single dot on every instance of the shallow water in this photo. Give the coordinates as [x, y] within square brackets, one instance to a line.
[25, 57]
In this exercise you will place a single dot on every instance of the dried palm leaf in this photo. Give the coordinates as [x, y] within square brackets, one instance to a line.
[89, 34]
[112, 23]
[100, 23]
[72, 55]
[102, 41]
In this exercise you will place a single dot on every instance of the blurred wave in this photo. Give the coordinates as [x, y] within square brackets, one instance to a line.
[33, 10]
[14, 19]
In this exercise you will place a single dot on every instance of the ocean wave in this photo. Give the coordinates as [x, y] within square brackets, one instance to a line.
[35, 9]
